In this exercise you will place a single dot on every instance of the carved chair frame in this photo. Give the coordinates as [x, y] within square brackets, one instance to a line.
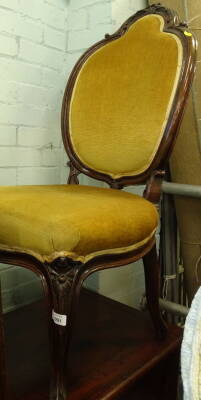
[63, 278]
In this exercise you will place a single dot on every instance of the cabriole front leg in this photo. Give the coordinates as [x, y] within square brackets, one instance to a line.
[65, 287]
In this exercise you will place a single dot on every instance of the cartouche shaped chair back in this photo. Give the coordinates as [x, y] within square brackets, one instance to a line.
[125, 97]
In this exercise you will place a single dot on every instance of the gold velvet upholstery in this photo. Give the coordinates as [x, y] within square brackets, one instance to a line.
[72, 220]
[122, 98]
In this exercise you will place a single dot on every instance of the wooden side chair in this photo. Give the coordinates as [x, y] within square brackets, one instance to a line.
[121, 109]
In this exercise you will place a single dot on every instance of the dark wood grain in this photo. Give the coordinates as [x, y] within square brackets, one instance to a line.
[114, 354]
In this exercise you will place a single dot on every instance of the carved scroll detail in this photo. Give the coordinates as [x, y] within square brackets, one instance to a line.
[156, 8]
[152, 191]
[73, 174]
[116, 185]
[62, 274]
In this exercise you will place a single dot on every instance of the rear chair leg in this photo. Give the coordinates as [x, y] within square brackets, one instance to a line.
[64, 281]
[152, 284]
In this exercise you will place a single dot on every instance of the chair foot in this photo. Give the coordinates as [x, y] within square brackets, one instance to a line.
[152, 284]
[64, 282]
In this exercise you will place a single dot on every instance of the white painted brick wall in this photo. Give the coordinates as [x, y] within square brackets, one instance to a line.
[9, 136]
[12, 69]
[33, 47]
[38, 176]
[54, 38]
[77, 19]
[9, 45]
[12, 23]
[100, 14]
[37, 137]
[10, 4]
[77, 4]
[121, 10]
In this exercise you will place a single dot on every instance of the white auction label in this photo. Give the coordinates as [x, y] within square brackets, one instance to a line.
[59, 319]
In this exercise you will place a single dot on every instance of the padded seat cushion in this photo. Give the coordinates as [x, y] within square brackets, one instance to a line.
[73, 220]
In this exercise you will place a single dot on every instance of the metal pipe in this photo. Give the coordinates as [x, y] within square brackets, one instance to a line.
[173, 308]
[181, 189]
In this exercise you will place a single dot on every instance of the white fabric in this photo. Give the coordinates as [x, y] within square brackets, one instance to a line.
[191, 351]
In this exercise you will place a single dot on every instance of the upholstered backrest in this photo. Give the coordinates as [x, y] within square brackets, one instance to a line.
[121, 99]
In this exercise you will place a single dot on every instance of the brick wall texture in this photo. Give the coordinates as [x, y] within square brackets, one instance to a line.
[33, 46]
